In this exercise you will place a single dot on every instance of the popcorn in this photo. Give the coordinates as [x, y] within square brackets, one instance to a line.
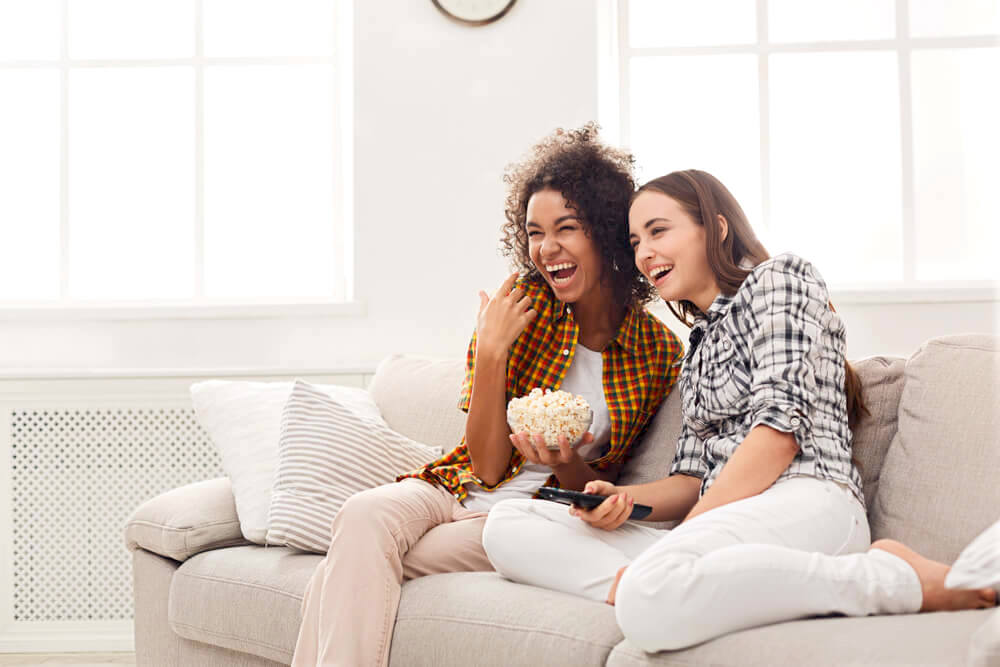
[550, 414]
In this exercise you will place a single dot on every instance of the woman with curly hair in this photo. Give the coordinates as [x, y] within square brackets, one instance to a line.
[571, 318]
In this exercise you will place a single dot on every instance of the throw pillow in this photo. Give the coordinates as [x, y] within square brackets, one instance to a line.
[978, 566]
[327, 452]
[243, 420]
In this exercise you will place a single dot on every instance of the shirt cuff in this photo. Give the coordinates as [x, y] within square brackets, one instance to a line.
[692, 467]
[787, 419]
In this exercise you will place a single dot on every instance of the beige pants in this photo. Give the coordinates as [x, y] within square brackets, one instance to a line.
[381, 536]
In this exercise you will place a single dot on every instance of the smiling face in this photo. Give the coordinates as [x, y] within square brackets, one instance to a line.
[669, 250]
[560, 248]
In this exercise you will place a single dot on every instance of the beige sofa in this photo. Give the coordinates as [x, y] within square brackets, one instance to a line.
[930, 453]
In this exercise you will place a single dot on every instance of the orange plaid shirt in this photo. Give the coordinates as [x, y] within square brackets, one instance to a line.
[641, 365]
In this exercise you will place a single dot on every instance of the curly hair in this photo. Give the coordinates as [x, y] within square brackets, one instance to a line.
[597, 182]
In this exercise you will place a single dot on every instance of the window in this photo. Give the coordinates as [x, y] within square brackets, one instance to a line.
[860, 134]
[173, 151]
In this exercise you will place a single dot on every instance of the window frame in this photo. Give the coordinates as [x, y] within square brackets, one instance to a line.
[341, 302]
[614, 77]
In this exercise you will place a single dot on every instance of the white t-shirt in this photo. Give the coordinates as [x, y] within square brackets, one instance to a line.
[584, 377]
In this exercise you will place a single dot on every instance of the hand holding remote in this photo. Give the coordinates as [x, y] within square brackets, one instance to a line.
[610, 514]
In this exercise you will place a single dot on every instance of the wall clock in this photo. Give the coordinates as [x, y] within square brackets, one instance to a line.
[474, 12]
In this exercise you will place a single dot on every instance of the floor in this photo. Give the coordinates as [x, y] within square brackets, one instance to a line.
[75, 659]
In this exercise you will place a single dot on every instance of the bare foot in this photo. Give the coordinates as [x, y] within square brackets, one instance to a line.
[931, 574]
[614, 586]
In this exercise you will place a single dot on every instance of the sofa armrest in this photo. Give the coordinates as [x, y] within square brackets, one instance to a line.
[186, 520]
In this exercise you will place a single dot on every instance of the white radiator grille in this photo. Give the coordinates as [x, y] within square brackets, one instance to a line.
[77, 475]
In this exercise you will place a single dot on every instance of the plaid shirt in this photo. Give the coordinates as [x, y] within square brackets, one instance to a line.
[772, 354]
[640, 367]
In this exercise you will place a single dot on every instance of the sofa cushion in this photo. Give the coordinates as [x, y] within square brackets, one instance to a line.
[929, 640]
[245, 598]
[984, 649]
[155, 642]
[938, 487]
[249, 599]
[480, 618]
[882, 384]
[652, 455]
[418, 397]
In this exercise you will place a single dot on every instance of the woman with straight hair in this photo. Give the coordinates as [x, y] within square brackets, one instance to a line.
[773, 517]
[571, 318]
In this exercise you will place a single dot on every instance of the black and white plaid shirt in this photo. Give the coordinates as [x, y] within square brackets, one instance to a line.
[772, 354]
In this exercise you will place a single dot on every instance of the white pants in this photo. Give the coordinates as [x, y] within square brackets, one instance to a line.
[795, 550]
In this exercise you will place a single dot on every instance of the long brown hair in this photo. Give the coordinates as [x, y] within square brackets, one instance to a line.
[705, 198]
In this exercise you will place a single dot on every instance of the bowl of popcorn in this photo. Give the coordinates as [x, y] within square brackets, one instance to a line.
[550, 414]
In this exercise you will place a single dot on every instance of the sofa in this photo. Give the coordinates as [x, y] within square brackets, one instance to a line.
[929, 452]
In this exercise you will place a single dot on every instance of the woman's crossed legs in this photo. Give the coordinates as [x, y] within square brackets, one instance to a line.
[796, 550]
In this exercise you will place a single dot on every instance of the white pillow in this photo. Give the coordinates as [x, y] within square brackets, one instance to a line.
[243, 419]
[327, 452]
[978, 566]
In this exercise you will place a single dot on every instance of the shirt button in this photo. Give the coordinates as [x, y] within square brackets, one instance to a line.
[565, 353]
[796, 421]
[726, 344]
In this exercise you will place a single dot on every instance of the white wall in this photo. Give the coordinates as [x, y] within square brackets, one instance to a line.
[439, 110]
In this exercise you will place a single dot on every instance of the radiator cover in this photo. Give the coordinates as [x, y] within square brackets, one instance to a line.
[77, 476]
[77, 457]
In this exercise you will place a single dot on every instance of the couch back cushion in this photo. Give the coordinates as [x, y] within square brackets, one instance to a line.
[654, 453]
[938, 485]
[881, 386]
[418, 397]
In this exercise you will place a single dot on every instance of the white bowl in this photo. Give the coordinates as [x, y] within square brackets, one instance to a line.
[515, 428]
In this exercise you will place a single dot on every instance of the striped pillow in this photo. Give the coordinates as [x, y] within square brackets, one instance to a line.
[327, 452]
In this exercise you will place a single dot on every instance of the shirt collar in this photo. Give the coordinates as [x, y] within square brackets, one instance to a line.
[629, 335]
[561, 309]
[720, 306]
